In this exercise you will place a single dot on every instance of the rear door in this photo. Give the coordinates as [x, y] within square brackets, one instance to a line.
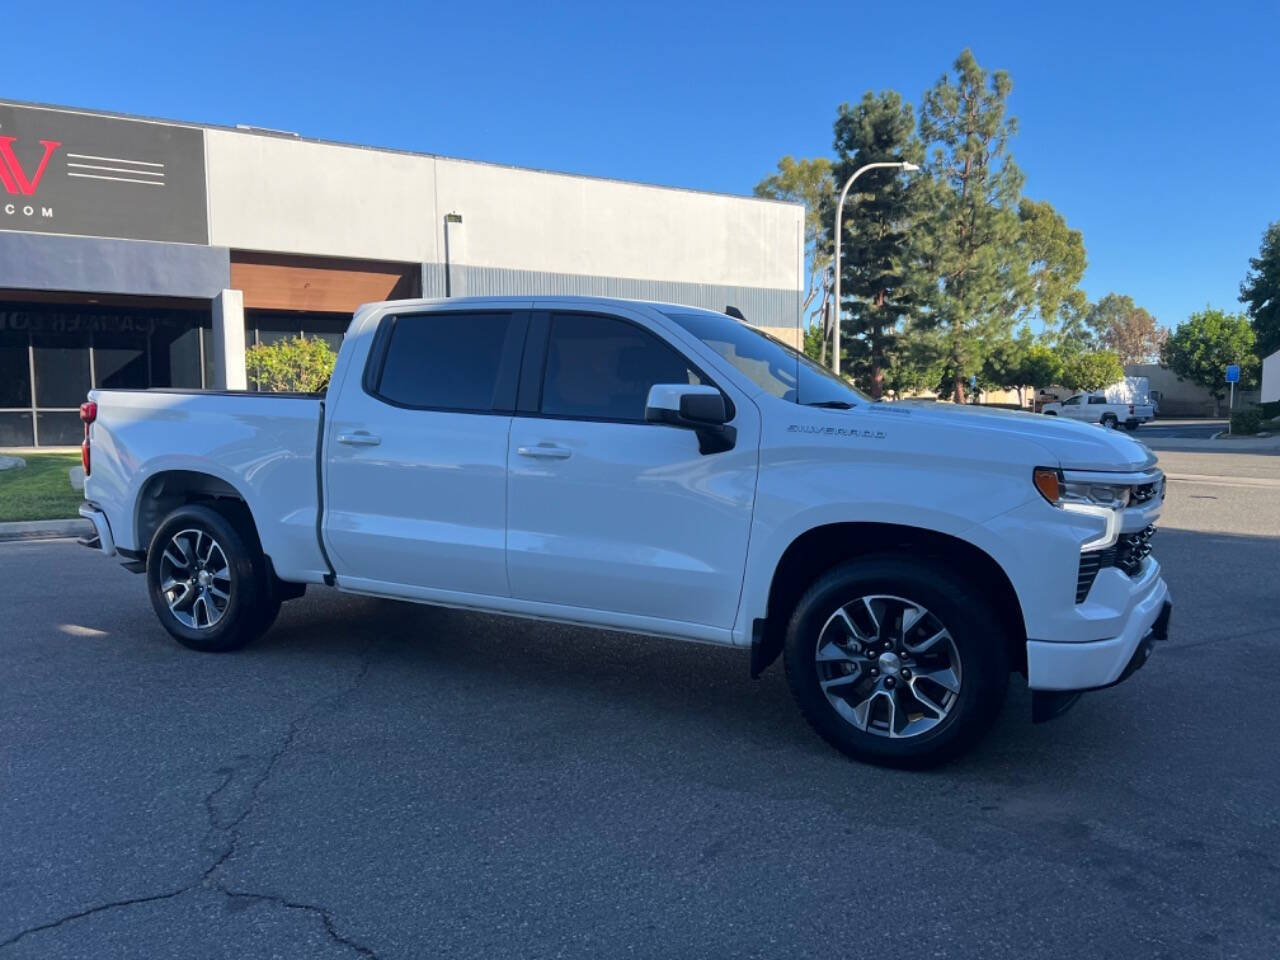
[417, 454]
[608, 512]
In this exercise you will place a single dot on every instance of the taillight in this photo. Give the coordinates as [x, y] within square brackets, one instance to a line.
[1131, 408]
[88, 414]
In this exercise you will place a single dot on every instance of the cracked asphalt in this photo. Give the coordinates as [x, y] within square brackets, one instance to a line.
[376, 779]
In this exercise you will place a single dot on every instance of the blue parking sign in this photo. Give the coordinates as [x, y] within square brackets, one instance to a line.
[1233, 373]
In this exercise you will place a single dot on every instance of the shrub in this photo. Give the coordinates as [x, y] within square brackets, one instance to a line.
[1246, 421]
[295, 365]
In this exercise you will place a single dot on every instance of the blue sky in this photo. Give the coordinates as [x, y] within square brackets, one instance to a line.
[1153, 127]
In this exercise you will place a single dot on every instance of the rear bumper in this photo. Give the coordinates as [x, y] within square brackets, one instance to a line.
[103, 539]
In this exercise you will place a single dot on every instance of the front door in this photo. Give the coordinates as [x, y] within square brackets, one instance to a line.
[417, 456]
[608, 512]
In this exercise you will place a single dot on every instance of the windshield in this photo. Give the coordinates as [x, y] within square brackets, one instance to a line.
[779, 369]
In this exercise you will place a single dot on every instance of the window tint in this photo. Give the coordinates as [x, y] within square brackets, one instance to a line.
[446, 361]
[1071, 401]
[1097, 399]
[602, 368]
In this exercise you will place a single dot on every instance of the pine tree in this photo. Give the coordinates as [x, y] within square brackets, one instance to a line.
[973, 232]
[878, 285]
[1260, 292]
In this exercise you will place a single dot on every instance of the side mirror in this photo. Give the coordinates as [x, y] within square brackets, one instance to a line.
[698, 408]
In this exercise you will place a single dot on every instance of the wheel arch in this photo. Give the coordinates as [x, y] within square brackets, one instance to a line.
[167, 490]
[822, 547]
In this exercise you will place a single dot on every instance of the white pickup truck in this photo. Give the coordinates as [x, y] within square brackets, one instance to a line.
[1101, 409]
[662, 470]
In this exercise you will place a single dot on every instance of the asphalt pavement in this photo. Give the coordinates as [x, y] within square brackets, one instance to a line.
[376, 779]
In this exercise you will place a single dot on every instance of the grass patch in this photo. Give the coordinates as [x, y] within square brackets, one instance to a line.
[41, 490]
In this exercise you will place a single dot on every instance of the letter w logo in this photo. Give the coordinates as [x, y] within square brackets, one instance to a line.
[13, 176]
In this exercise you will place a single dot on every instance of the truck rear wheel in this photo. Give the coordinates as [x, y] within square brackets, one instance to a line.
[207, 580]
[897, 661]
[1109, 421]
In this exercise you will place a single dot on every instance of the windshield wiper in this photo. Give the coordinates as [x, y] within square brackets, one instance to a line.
[831, 404]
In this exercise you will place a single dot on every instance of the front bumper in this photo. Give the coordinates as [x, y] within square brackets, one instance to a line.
[1070, 664]
[1047, 703]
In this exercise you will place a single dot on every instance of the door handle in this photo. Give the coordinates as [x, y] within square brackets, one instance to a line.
[361, 438]
[545, 451]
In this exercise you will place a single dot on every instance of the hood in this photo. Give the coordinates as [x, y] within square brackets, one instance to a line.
[1077, 446]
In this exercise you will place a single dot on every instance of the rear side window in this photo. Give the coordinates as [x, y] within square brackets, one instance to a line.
[444, 361]
[1097, 399]
[601, 368]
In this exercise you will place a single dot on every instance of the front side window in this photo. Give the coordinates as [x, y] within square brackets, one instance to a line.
[1071, 402]
[601, 368]
[778, 369]
[444, 361]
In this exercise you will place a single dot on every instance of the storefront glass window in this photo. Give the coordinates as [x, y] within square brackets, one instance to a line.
[74, 347]
[60, 428]
[120, 360]
[15, 369]
[15, 429]
[62, 369]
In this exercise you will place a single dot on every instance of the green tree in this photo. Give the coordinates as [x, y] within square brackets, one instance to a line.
[1260, 292]
[972, 238]
[1042, 367]
[915, 365]
[1091, 371]
[806, 181]
[1121, 325]
[1003, 364]
[296, 364]
[1073, 334]
[1055, 259]
[1202, 347]
[1021, 362]
[877, 284]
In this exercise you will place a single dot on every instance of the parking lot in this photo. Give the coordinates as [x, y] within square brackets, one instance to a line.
[387, 780]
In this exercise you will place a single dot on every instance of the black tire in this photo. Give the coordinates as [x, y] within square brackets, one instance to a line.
[250, 608]
[1051, 413]
[978, 639]
[1131, 425]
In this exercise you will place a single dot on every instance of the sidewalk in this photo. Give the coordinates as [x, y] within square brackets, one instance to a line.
[44, 529]
[1226, 445]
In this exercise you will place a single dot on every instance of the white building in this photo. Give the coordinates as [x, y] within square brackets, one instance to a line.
[138, 252]
[1271, 378]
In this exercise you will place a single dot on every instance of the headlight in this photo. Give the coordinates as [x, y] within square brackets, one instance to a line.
[1096, 493]
[1104, 501]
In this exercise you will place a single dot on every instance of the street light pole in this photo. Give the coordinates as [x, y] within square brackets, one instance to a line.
[835, 327]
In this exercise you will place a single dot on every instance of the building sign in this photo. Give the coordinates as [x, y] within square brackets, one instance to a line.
[96, 176]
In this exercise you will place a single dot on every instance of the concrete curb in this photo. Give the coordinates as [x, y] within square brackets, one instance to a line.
[44, 529]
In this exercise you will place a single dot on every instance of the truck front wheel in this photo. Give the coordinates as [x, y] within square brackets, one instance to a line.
[207, 580]
[897, 661]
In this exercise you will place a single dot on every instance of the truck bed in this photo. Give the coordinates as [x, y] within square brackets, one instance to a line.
[262, 445]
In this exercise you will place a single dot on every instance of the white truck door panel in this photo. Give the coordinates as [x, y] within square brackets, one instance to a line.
[610, 513]
[416, 492]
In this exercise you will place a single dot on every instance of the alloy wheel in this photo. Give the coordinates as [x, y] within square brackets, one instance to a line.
[888, 666]
[195, 578]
